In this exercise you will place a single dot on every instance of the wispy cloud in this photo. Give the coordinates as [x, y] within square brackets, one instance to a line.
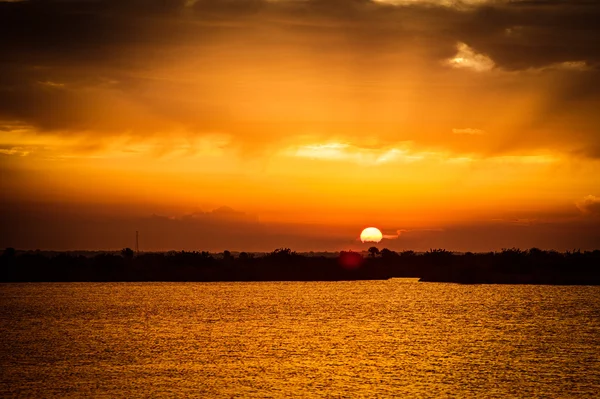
[347, 152]
[467, 58]
[566, 66]
[524, 159]
[589, 205]
[22, 139]
[50, 83]
[460, 4]
[468, 131]
[18, 151]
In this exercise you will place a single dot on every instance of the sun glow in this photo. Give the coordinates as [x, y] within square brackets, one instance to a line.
[371, 234]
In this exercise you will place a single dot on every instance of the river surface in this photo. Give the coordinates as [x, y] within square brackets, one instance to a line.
[314, 339]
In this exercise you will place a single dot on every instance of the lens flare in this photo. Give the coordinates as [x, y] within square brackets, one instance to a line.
[350, 260]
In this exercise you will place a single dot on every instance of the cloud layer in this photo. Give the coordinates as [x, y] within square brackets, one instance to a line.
[328, 111]
[262, 70]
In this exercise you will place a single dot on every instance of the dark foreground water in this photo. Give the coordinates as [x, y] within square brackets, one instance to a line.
[352, 339]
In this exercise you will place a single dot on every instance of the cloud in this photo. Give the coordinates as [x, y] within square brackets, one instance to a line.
[571, 66]
[247, 69]
[589, 205]
[63, 227]
[566, 66]
[467, 58]
[468, 131]
[19, 151]
[361, 155]
[388, 236]
[55, 85]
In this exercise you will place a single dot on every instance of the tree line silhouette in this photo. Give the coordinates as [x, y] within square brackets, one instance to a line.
[509, 266]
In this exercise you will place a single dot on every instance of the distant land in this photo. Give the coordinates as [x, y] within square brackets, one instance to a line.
[509, 266]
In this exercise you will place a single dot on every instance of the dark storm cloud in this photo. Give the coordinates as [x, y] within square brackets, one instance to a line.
[533, 34]
[59, 59]
[516, 34]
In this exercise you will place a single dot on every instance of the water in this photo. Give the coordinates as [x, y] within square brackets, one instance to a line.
[353, 339]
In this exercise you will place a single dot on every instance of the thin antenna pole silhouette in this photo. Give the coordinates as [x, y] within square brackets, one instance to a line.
[137, 242]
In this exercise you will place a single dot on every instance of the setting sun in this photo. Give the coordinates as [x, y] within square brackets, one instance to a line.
[193, 173]
[160, 126]
[371, 234]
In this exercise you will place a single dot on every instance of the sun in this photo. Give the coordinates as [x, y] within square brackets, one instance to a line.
[371, 234]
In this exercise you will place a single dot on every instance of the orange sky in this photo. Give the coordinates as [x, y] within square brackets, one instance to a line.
[469, 125]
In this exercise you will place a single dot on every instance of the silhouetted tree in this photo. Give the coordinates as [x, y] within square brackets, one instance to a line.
[127, 253]
[373, 251]
[536, 252]
[282, 252]
[512, 252]
[438, 252]
[388, 254]
[9, 252]
[512, 266]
